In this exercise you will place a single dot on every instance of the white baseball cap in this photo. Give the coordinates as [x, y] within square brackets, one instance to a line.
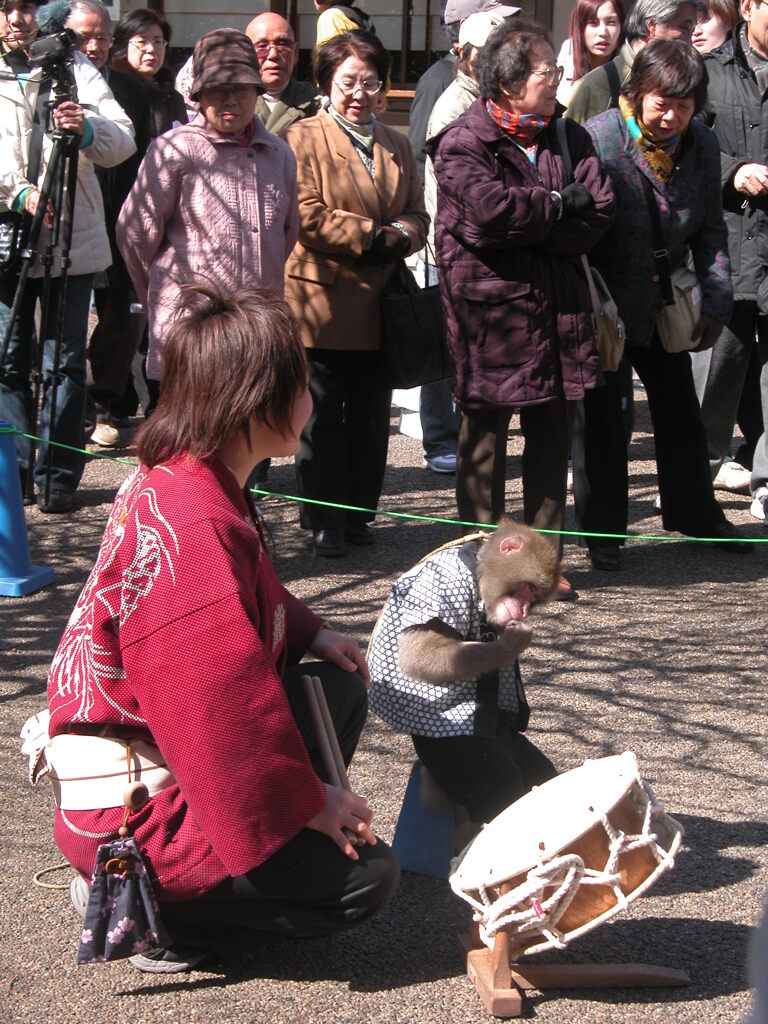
[458, 10]
[476, 28]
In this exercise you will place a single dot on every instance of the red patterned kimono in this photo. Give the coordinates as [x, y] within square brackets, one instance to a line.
[180, 637]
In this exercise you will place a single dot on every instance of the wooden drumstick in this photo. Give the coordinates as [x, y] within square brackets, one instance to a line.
[328, 742]
[333, 742]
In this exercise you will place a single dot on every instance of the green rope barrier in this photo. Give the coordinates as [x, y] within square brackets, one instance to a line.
[413, 516]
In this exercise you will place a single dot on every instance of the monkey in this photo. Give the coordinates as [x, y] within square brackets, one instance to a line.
[444, 665]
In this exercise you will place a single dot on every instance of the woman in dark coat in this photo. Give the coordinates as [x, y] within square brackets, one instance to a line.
[652, 137]
[509, 230]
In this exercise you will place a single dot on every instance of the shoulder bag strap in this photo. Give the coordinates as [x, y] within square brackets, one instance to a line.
[614, 83]
[660, 251]
[565, 152]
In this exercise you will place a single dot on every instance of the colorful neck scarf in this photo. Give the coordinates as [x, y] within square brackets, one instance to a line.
[661, 158]
[360, 133]
[523, 129]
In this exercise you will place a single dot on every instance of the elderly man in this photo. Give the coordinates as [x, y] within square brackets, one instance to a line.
[285, 100]
[737, 111]
[648, 20]
[90, 19]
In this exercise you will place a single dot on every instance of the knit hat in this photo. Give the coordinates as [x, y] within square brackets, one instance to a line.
[224, 57]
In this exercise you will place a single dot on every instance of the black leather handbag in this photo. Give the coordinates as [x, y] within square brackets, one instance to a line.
[412, 332]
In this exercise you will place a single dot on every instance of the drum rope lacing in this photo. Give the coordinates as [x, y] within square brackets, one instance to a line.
[525, 909]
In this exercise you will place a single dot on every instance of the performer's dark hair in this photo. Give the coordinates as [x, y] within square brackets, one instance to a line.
[226, 358]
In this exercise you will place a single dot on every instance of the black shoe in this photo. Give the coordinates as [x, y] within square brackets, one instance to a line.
[361, 535]
[58, 501]
[168, 960]
[329, 543]
[728, 539]
[606, 557]
[26, 499]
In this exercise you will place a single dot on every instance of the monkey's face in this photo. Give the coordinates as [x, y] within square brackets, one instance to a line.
[513, 607]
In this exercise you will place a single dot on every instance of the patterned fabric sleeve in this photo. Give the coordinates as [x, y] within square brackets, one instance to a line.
[435, 593]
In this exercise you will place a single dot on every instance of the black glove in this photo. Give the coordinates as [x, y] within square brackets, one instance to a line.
[709, 330]
[576, 198]
[388, 245]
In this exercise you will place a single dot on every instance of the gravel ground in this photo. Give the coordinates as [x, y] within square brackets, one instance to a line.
[663, 658]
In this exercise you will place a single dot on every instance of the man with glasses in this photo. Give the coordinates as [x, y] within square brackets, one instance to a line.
[737, 111]
[285, 99]
[90, 19]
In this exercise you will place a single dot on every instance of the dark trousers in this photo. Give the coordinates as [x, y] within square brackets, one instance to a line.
[600, 470]
[309, 887]
[482, 462]
[485, 775]
[16, 392]
[688, 503]
[343, 453]
[112, 346]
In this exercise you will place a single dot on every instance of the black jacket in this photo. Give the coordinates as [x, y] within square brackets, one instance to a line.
[738, 114]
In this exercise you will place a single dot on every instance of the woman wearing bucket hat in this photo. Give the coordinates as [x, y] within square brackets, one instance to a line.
[214, 200]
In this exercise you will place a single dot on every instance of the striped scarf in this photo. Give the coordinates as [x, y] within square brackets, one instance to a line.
[524, 129]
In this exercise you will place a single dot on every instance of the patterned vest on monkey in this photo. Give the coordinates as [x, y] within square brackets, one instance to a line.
[443, 587]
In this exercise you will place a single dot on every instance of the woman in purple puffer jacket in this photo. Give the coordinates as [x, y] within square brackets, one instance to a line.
[511, 225]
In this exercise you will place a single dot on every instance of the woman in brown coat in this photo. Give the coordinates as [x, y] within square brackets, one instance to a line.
[361, 208]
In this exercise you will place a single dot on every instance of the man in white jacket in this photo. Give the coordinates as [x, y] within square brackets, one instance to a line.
[106, 139]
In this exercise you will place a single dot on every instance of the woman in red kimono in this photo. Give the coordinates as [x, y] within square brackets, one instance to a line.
[183, 639]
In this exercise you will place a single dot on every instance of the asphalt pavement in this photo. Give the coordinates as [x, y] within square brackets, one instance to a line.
[666, 657]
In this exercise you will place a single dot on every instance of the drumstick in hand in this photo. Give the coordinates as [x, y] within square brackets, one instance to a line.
[327, 741]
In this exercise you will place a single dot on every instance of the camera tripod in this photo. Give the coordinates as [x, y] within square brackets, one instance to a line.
[58, 188]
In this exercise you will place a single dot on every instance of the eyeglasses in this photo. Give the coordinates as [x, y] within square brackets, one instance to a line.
[349, 86]
[101, 40]
[552, 74]
[145, 45]
[220, 92]
[264, 47]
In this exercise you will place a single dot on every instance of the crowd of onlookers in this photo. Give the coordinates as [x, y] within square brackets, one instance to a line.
[235, 173]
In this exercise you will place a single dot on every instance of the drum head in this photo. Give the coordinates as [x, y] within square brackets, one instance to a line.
[543, 822]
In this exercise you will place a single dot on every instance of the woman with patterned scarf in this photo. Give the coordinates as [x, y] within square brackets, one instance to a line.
[653, 138]
[511, 225]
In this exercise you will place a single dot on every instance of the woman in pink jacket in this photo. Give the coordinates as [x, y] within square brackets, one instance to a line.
[214, 200]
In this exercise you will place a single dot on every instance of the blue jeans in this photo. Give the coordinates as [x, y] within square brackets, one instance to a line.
[16, 394]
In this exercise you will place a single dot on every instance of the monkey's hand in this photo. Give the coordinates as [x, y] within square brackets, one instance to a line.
[515, 639]
[436, 653]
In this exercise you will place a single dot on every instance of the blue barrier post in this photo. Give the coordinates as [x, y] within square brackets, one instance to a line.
[17, 574]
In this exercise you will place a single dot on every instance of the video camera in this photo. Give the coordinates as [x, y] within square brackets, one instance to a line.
[54, 50]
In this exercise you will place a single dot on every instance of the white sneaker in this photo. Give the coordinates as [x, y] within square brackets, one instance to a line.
[732, 476]
[759, 506]
[105, 435]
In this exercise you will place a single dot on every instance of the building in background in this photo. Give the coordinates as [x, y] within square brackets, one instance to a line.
[410, 29]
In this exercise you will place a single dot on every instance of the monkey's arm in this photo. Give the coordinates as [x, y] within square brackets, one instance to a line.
[436, 653]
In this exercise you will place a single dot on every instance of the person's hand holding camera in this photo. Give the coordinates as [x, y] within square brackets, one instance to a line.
[70, 117]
